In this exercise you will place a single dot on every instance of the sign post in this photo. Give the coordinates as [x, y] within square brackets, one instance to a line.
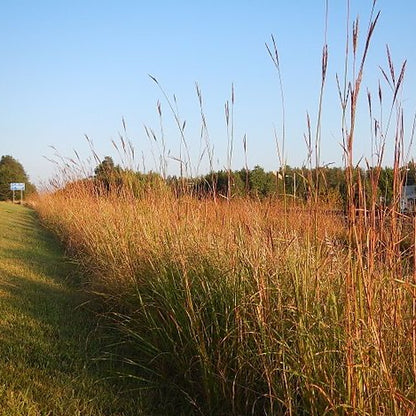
[17, 186]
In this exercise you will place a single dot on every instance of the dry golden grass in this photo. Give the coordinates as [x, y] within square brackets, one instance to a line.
[241, 306]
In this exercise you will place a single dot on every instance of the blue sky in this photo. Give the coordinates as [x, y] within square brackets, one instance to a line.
[75, 68]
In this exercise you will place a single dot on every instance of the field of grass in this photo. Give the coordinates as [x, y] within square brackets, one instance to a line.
[241, 307]
[49, 343]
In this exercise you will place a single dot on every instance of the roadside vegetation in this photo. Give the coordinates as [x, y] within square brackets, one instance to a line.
[231, 303]
[245, 306]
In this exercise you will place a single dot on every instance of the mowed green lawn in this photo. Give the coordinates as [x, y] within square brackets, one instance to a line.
[50, 343]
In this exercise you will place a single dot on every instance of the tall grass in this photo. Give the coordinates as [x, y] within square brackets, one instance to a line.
[241, 306]
[220, 305]
[226, 309]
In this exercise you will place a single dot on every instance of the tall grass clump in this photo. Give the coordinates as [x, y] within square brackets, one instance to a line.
[222, 309]
[245, 306]
[379, 312]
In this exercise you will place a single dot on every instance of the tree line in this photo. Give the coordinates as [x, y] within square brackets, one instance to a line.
[328, 184]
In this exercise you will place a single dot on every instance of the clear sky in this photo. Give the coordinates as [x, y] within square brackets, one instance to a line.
[75, 68]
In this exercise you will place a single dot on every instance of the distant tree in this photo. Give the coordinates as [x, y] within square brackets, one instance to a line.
[261, 183]
[334, 187]
[12, 171]
[105, 168]
[140, 184]
[221, 183]
[386, 184]
[106, 173]
[115, 179]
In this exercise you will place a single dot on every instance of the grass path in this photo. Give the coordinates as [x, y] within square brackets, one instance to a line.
[47, 342]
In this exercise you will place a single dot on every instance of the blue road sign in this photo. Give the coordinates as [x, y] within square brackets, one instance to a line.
[16, 186]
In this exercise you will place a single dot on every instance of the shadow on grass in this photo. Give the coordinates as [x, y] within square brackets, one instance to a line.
[51, 344]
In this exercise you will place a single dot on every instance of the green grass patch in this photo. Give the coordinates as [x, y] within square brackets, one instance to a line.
[50, 341]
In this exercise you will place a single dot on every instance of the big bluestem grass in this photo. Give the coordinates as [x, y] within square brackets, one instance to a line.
[238, 307]
[220, 306]
[241, 306]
